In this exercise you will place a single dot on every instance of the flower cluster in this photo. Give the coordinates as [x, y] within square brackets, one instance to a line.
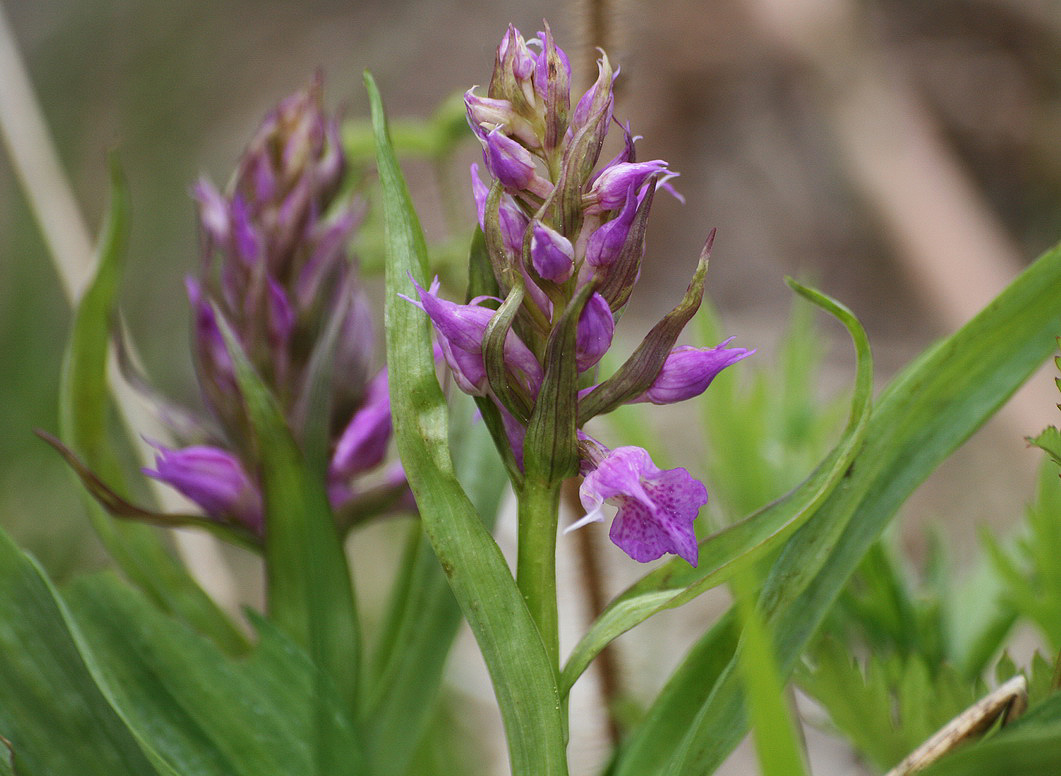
[276, 269]
[565, 241]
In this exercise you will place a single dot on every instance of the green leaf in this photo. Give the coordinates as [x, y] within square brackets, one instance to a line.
[56, 717]
[137, 549]
[205, 714]
[423, 616]
[776, 743]
[1050, 441]
[524, 682]
[739, 545]
[926, 412]
[309, 591]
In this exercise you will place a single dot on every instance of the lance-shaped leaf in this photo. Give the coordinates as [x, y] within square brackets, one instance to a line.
[551, 447]
[308, 586]
[523, 679]
[138, 550]
[735, 547]
[422, 616]
[638, 372]
[924, 414]
[52, 710]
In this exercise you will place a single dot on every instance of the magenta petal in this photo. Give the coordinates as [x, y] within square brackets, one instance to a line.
[461, 328]
[688, 371]
[607, 241]
[551, 253]
[364, 441]
[510, 163]
[656, 507]
[596, 325]
[615, 181]
[214, 479]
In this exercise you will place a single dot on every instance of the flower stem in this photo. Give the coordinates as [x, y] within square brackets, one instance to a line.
[539, 505]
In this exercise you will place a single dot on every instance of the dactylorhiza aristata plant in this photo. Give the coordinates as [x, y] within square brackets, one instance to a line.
[275, 268]
[565, 240]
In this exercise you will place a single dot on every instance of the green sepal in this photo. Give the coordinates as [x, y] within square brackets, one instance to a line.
[118, 506]
[481, 279]
[638, 372]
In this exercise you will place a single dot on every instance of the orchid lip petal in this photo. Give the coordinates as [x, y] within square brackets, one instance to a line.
[656, 507]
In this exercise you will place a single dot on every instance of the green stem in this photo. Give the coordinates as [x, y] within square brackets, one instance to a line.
[539, 506]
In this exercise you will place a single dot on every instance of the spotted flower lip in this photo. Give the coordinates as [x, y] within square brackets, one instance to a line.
[214, 479]
[656, 507]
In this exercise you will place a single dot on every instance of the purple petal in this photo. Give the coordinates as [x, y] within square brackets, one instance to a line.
[513, 222]
[656, 507]
[607, 241]
[614, 182]
[552, 254]
[248, 243]
[461, 328]
[596, 325]
[688, 371]
[363, 443]
[508, 161]
[214, 479]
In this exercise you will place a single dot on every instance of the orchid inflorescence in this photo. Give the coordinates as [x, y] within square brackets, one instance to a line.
[275, 271]
[564, 242]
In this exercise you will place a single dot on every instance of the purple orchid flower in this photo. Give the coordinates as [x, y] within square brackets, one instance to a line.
[461, 328]
[656, 507]
[688, 371]
[214, 479]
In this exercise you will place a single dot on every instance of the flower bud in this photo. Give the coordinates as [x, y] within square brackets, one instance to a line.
[214, 479]
[363, 443]
[461, 328]
[486, 114]
[513, 222]
[552, 255]
[607, 241]
[596, 325]
[508, 161]
[688, 371]
[612, 185]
